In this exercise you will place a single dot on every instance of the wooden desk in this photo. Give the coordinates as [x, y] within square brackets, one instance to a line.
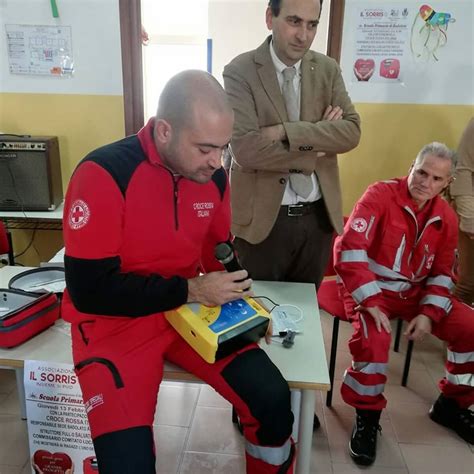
[39, 220]
[304, 365]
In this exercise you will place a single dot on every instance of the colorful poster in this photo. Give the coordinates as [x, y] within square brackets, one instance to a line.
[409, 52]
[381, 43]
[58, 429]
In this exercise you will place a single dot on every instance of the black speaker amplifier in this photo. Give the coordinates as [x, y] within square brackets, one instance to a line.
[30, 173]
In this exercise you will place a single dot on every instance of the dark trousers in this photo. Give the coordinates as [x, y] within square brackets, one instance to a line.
[297, 248]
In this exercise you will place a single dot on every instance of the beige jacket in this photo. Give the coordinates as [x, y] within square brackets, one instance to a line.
[462, 189]
[261, 168]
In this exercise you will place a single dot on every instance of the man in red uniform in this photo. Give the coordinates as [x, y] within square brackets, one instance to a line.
[142, 218]
[396, 258]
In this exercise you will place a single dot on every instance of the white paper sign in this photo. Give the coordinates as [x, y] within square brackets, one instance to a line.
[399, 51]
[58, 429]
[41, 50]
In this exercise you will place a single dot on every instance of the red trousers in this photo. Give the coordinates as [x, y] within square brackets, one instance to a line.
[364, 381]
[119, 362]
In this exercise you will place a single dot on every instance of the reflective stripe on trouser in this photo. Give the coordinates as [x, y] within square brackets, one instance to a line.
[269, 460]
[363, 383]
[119, 362]
[369, 346]
[457, 329]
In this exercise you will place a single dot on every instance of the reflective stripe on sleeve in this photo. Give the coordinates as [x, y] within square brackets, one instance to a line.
[368, 390]
[461, 379]
[271, 455]
[364, 291]
[354, 256]
[460, 357]
[441, 280]
[364, 326]
[383, 271]
[370, 367]
[440, 301]
[394, 285]
[397, 264]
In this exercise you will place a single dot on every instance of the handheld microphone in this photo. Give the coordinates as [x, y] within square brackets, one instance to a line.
[224, 252]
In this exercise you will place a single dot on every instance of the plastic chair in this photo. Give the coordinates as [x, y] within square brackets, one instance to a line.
[6, 246]
[329, 301]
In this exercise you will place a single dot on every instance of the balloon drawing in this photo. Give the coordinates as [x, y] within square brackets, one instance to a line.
[429, 33]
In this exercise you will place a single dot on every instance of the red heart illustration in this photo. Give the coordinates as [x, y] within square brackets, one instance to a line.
[50, 463]
[364, 68]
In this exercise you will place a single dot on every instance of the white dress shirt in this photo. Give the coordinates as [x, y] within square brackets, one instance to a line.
[290, 197]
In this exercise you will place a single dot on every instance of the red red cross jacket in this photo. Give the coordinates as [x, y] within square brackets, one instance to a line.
[388, 247]
[134, 233]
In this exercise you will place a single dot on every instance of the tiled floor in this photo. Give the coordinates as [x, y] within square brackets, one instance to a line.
[194, 433]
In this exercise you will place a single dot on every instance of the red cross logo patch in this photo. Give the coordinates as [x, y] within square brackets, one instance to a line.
[359, 225]
[78, 214]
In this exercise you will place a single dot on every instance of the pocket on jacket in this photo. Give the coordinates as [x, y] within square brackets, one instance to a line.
[242, 191]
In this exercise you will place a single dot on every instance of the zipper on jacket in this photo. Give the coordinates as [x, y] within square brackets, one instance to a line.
[175, 179]
[418, 238]
[175, 200]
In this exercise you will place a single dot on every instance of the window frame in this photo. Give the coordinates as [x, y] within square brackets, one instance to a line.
[132, 61]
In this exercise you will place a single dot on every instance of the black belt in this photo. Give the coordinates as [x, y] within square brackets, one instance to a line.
[301, 209]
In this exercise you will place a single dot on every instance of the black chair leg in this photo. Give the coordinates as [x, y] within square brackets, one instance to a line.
[406, 367]
[396, 345]
[332, 359]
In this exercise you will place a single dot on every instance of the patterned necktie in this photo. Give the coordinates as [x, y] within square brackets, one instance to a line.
[299, 182]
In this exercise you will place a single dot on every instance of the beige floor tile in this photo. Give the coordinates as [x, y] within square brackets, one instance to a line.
[205, 463]
[436, 373]
[432, 460]
[212, 431]
[14, 441]
[319, 410]
[176, 404]
[320, 456]
[169, 442]
[420, 389]
[339, 430]
[210, 398]
[412, 424]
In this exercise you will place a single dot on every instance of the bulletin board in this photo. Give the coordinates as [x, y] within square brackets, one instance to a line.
[401, 51]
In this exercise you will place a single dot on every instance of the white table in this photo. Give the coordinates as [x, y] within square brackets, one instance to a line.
[303, 366]
[40, 220]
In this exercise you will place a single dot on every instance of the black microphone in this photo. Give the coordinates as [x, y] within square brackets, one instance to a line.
[224, 252]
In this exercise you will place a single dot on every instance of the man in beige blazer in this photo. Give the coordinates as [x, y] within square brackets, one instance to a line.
[281, 235]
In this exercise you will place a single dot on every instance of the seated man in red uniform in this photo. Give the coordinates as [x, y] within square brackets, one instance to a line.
[396, 258]
[137, 244]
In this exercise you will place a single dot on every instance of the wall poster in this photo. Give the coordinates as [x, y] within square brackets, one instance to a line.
[58, 430]
[40, 50]
[409, 52]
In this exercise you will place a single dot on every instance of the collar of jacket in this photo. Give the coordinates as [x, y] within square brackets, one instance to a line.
[145, 135]
[403, 198]
[268, 77]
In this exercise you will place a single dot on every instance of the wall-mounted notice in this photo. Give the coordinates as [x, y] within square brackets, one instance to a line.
[58, 429]
[409, 52]
[40, 50]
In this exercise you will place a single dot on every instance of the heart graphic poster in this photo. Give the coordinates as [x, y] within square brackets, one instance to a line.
[408, 52]
[58, 429]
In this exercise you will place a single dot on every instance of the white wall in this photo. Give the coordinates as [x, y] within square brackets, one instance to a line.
[96, 49]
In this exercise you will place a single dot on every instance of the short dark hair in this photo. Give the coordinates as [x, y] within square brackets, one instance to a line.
[275, 6]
